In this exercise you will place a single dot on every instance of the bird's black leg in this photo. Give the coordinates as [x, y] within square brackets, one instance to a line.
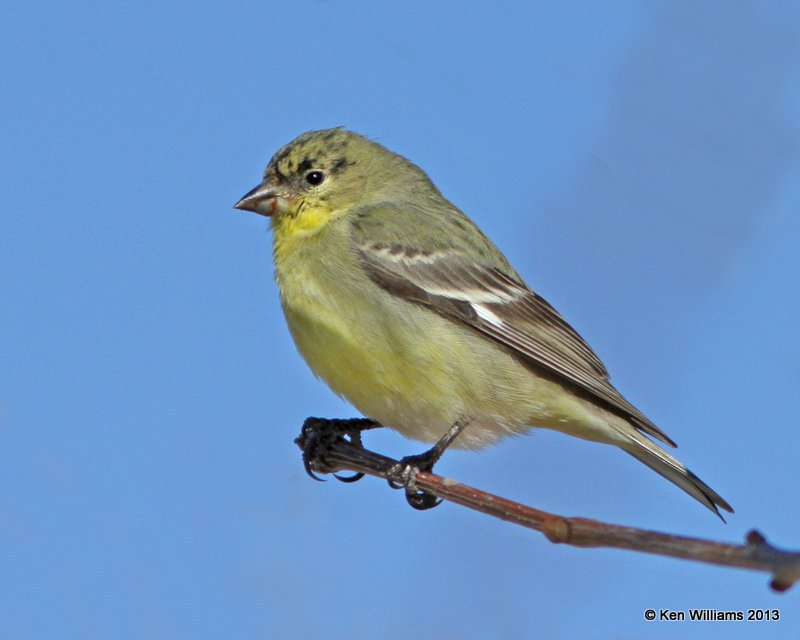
[405, 471]
[319, 433]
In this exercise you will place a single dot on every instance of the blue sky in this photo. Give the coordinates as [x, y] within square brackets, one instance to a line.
[637, 162]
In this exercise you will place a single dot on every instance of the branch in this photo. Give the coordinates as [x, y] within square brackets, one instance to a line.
[335, 445]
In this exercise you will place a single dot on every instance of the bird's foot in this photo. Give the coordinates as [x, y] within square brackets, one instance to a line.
[318, 434]
[404, 474]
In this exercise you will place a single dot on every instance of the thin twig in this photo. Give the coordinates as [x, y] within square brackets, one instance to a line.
[330, 446]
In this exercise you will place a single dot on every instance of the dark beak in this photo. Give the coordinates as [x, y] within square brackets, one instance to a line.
[261, 200]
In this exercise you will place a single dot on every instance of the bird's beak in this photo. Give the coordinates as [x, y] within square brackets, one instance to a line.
[263, 200]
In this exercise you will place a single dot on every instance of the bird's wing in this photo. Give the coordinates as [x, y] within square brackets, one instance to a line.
[501, 308]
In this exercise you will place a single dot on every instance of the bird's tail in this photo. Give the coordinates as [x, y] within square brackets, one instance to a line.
[661, 462]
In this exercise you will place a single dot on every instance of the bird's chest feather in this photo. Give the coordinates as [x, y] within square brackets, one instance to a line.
[333, 327]
[356, 339]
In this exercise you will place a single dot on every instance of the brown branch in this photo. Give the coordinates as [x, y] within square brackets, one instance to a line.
[330, 446]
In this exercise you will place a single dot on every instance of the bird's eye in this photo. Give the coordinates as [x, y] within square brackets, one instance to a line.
[315, 178]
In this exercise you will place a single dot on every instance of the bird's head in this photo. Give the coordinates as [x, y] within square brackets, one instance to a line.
[327, 173]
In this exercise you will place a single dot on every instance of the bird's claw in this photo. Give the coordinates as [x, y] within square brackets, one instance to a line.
[403, 476]
[353, 478]
[312, 441]
[422, 500]
[310, 472]
[318, 434]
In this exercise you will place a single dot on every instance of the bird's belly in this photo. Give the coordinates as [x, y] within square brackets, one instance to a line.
[394, 385]
[418, 372]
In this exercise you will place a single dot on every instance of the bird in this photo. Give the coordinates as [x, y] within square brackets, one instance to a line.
[404, 307]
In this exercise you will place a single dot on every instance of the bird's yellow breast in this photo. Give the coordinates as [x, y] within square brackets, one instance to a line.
[362, 349]
[398, 363]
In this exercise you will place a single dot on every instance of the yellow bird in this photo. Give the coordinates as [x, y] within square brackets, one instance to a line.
[403, 306]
